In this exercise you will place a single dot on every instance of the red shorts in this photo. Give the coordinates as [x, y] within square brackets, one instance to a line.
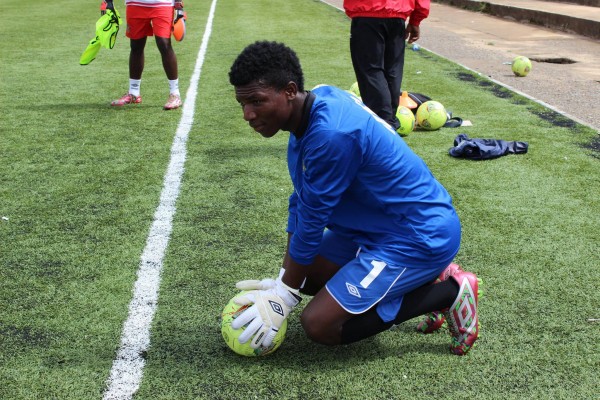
[148, 21]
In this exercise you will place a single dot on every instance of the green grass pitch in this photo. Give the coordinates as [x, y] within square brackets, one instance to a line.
[80, 183]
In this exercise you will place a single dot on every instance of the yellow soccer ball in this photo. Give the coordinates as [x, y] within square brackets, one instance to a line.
[230, 335]
[521, 66]
[407, 120]
[431, 115]
[354, 89]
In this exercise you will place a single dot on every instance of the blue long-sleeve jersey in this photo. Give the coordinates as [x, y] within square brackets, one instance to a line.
[354, 175]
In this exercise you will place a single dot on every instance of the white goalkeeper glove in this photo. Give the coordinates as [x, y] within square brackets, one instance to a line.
[270, 307]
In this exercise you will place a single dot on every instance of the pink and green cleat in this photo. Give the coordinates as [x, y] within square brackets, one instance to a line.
[127, 99]
[173, 102]
[433, 321]
[462, 318]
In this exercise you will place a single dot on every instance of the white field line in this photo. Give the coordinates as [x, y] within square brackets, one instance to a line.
[127, 369]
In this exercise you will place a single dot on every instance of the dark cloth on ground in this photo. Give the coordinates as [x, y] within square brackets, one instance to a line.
[485, 149]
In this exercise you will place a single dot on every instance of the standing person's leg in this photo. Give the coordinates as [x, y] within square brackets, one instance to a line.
[137, 58]
[169, 59]
[162, 22]
[367, 50]
[136, 68]
[394, 62]
[138, 29]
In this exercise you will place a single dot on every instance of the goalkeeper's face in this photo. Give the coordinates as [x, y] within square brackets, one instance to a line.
[267, 110]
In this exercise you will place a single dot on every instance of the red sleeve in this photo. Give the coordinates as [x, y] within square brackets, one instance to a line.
[420, 12]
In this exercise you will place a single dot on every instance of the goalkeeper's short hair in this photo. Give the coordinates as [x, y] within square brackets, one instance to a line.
[270, 63]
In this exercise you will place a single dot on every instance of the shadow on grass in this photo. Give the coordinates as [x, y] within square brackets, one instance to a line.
[93, 107]
[204, 348]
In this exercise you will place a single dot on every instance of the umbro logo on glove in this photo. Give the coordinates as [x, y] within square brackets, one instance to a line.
[276, 307]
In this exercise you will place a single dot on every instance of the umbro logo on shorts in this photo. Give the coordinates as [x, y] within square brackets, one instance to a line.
[353, 290]
[276, 307]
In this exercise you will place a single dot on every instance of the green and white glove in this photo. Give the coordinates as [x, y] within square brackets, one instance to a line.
[270, 307]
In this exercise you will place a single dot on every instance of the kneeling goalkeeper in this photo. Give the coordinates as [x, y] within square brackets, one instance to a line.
[371, 233]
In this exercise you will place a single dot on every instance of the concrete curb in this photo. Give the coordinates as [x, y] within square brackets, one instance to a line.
[565, 23]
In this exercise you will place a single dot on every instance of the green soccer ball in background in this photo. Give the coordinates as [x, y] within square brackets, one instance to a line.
[407, 120]
[230, 335]
[354, 89]
[521, 66]
[431, 115]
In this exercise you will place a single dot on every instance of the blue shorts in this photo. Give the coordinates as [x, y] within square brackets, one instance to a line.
[365, 280]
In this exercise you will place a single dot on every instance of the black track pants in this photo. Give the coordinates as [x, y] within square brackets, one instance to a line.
[377, 51]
